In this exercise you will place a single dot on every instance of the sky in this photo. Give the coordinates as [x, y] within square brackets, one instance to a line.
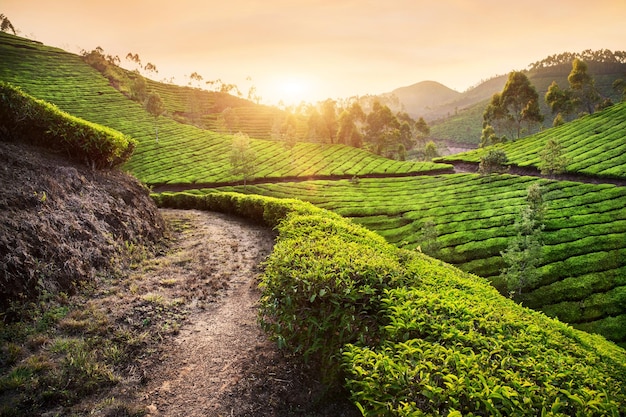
[294, 50]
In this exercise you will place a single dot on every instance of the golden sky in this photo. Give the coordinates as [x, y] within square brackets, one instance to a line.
[316, 49]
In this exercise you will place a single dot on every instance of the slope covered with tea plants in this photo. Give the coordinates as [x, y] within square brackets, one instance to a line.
[463, 118]
[594, 145]
[467, 220]
[412, 335]
[183, 154]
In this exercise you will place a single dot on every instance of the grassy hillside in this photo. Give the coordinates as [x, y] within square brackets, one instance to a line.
[184, 154]
[415, 336]
[461, 120]
[584, 253]
[594, 145]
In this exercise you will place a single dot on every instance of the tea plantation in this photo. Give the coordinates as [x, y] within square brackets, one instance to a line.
[594, 145]
[412, 335]
[349, 284]
[183, 154]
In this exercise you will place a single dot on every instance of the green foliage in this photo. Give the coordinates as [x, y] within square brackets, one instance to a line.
[524, 250]
[516, 106]
[322, 285]
[5, 24]
[495, 161]
[34, 121]
[593, 145]
[413, 335]
[453, 345]
[582, 85]
[154, 105]
[584, 223]
[242, 157]
[185, 154]
[552, 159]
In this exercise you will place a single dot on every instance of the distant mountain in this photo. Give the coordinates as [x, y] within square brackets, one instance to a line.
[421, 98]
[457, 117]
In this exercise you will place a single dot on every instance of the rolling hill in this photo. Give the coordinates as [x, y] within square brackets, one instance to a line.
[472, 215]
[184, 154]
[460, 119]
[594, 146]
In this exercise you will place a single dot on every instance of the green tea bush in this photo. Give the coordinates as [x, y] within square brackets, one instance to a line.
[35, 121]
[322, 286]
[454, 346]
[412, 336]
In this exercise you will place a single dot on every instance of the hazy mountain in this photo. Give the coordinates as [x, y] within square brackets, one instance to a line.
[421, 98]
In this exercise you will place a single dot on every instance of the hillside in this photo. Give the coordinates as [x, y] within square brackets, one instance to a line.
[461, 119]
[594, 146]
[422, 98]
[367, 310]
[184, 154]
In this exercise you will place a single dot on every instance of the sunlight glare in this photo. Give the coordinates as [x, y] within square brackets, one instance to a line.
[292, 90]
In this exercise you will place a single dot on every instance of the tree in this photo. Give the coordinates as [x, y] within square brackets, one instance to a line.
[494, 162]
[329, 119]
[516, 106]
[552, 159]
[382, 129]
[6, 25]
[430, 151]
[317, 128]
[583, 87]
[619, 85]
[561, 101]
[154, 106]
[523, 252]
[488, 136]
[427, 239]
[242, 157]
[348, 131]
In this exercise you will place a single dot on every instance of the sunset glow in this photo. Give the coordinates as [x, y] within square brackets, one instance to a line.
[344, 47]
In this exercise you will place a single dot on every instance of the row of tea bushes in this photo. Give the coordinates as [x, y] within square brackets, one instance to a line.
[594, 145]
[410, 335]
[471, 220]
[34, 121]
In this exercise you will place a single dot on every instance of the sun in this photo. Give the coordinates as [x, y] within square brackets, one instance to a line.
[292, 90]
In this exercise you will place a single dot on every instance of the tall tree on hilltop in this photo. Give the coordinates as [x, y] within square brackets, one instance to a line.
[516, 106]
[349, 120]
[583, 87]
[329, 118]
[6, 25]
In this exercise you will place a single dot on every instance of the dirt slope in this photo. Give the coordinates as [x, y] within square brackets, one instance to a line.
[220, 362]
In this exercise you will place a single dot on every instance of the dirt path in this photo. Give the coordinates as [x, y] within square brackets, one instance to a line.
[221, 363]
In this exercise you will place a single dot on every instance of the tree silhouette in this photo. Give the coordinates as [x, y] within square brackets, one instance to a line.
[6, 25]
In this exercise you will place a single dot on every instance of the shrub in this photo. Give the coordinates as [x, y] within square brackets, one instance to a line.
[414, 336]
[40, 123]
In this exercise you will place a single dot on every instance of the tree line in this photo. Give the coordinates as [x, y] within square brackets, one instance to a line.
[515, 111]
[375, 128]
[601, 55]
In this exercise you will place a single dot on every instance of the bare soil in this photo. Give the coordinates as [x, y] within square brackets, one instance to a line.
[220, 362]
[184, 310]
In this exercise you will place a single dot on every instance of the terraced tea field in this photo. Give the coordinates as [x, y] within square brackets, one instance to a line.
[583, 265]
[595, 145]
[184, 154]
[584, 249]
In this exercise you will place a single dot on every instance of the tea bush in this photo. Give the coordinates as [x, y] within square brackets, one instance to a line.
[28, 119]
[412, 336]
